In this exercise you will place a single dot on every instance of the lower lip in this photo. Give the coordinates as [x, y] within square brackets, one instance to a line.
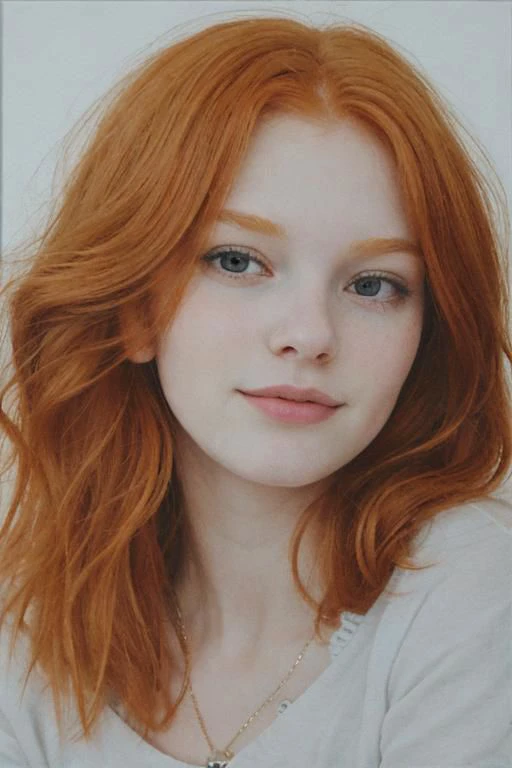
[291, 411]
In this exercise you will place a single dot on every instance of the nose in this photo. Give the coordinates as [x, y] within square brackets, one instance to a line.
[305, 330]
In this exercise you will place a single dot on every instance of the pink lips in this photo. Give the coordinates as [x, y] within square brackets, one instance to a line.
[291, 411]
[290, 392]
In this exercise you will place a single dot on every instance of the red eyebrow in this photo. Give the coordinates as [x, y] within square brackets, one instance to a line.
[369, 247]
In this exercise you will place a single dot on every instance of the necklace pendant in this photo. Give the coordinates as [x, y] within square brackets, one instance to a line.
[218, 760]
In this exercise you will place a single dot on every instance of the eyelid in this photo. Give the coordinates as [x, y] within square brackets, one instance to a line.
[218, 249]
[378, 273]
[240, 248]
[214, 252]
[399, 284]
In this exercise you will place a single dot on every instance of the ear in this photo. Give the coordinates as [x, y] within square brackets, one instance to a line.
[138, 347]
[141, 355]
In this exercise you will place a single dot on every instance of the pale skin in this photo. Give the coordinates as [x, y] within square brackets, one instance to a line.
[299, 320]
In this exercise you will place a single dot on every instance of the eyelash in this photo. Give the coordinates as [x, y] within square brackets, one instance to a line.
[402, 292]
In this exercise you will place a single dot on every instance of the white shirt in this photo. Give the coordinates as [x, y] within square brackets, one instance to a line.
[423, 680]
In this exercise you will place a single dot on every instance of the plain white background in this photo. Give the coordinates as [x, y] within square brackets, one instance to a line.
[60, 56]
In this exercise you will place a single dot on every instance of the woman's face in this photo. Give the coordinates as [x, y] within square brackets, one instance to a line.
[310, 315]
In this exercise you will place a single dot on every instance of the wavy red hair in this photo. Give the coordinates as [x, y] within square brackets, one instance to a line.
[94, 534]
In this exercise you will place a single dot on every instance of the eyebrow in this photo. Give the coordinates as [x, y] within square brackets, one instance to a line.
[369, 247]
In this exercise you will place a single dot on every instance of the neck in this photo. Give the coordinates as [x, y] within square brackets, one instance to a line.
[236, 589]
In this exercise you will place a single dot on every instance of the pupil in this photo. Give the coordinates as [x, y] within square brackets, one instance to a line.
[375, 281]
[237, 261]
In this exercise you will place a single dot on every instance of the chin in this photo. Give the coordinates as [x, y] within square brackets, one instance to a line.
[296, 477]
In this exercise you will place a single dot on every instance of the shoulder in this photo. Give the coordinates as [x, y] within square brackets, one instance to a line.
[28, 728]
[463, 537]
[464, 585]
[464, 576]
[15, 662]
[448, 631]
[461, 598]
[14, 716]
[14, 657]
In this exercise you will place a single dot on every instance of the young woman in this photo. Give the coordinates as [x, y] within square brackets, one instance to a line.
[260, 410]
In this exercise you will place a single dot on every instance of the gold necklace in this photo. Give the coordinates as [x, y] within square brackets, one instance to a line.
[220, 758]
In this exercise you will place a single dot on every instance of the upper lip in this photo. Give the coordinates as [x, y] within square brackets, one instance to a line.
[293, 393]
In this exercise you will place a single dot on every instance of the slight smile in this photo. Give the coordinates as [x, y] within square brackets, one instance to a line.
[291, 411]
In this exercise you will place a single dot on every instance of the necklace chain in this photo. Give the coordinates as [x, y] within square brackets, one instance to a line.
[219, 756]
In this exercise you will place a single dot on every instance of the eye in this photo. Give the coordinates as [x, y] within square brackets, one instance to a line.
[372, 282]
[235, 259]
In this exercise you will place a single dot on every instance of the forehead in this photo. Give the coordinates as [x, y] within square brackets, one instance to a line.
[320, 177]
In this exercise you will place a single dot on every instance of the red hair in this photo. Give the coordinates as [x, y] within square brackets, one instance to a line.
[93, 537]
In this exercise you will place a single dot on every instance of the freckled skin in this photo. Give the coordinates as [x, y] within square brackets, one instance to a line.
[296, 322]
[301, 320]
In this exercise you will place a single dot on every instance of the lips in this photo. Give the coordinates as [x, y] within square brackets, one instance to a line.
[291, 411]
[288, 392]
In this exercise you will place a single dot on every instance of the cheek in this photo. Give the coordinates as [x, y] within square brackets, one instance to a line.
[205, 339]
[383, 355]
